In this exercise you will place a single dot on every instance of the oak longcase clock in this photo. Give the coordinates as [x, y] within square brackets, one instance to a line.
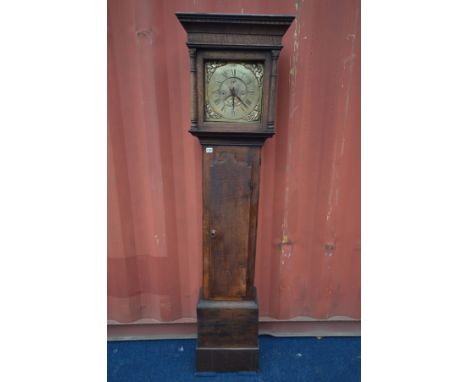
[233, 65]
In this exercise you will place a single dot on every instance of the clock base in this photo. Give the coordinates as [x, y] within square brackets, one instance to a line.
[227, 335]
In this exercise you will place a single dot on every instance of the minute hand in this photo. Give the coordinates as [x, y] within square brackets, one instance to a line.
[243, 103]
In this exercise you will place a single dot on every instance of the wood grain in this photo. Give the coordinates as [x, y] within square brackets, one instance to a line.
[230, 195]
[227, 335]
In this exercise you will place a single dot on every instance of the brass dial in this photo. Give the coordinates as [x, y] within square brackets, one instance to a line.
[233, 91]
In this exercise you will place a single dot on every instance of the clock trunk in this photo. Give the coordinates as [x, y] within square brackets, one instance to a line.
[230, 203]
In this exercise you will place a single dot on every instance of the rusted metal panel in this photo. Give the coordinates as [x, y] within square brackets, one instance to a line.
[308, 242]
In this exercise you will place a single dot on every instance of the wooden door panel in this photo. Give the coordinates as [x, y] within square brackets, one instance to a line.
[230, 205]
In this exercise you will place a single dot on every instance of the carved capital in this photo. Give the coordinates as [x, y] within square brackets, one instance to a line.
[275, 54]
[193, 64]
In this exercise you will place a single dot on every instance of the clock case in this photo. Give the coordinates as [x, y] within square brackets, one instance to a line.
[227, 312]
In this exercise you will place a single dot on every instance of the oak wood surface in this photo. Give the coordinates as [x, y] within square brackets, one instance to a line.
[230, 203]
[228, 324]
[227, 335]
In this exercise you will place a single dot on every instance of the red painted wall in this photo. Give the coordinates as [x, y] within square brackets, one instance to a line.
[308, 249]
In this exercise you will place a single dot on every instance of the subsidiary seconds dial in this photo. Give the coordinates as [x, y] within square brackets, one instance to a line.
[233, 91]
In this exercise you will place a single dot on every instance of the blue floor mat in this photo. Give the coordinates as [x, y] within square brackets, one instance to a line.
[293, 359]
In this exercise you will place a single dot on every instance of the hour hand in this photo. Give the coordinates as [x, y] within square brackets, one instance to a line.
[233, 95]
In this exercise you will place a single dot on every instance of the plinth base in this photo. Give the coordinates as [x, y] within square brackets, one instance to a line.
[227, 335]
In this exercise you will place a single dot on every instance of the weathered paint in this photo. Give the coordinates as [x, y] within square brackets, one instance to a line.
[308, 246]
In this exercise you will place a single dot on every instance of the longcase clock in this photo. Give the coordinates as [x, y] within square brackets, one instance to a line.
[233, 64]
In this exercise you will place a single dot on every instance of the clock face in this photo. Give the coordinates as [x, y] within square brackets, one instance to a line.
[233, 91]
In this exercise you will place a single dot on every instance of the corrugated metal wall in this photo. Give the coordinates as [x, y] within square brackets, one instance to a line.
[308, 250]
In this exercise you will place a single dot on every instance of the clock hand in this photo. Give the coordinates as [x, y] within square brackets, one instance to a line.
[233, 95]
[243, 103]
